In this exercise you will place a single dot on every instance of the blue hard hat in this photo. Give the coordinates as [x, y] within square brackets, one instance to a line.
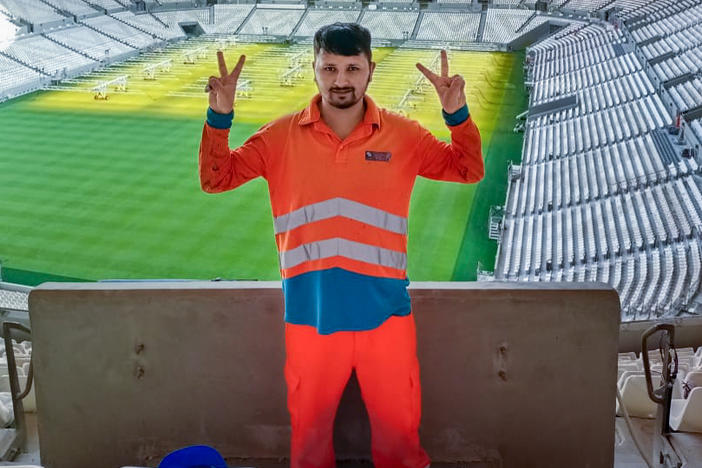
[197, 456]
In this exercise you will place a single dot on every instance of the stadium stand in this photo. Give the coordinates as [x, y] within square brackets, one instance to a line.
[15, 77]
[120, 31]
[599, 176]
[444, 26]
[108, 5]
[200, 16]
[385, 24]
[31, 11]
[316, 18]
[91, 43]
[686, 395]
[149, 25]
[513, 3]
[505, 25]
[271, 22]
[585, 5]
[228, 18]
[8, 29]
[74, 7]
[47, 55]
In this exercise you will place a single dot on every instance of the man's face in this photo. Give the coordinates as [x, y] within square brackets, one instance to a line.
[342, 79]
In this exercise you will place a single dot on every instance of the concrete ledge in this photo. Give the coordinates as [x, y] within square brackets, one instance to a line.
[513, 374]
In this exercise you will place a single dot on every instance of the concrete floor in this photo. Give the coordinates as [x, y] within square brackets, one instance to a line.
[687, 445]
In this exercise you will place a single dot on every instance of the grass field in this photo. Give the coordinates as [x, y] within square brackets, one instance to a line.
[94, 189]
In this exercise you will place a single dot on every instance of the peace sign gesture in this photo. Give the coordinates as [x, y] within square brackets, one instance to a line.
[223, 89]
[449, 88]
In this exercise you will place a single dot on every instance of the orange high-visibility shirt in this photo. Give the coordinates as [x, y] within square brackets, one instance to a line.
[340, 207]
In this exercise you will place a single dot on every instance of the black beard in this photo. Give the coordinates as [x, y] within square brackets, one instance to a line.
[347, 104]
[351, 102]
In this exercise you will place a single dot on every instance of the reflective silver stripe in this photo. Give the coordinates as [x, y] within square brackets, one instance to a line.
[340, 207]
[345, 248]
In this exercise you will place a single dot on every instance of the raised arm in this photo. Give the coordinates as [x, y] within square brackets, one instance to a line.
[461, 160]
[220, 167]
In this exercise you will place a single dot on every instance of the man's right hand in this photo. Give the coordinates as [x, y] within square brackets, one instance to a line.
[223, 89]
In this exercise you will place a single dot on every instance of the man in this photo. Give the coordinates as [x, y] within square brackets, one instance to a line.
[340, 174]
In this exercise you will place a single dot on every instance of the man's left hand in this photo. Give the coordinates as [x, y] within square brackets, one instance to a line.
[449, 88]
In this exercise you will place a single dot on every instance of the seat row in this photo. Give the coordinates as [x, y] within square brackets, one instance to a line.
[595, 95]
[669, 24]
[590, 176]
[562, 133]
[567, 246]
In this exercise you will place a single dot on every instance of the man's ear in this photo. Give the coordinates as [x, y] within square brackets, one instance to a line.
[372, 69]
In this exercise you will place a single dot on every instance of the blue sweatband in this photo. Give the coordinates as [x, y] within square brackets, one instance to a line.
[457, 118]
[217, 120]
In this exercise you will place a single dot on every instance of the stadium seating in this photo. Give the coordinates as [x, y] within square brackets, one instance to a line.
[109, 5]
[272, 22]
[200, 16]
[441, 26]
[47, 55]
[501, 25]
[389, 24]
[687, 95]
[8, 29]
[14, 76]
[602, 194]
[228, 18]
[507, 2]
[149, 24]
[118, 30]
[75, 7]
[316, 18]
[32, 11]
[91, 42]
[585, 5]
[669, 24]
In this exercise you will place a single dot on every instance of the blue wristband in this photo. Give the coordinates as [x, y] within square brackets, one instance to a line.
[217, 120]
[457, 118]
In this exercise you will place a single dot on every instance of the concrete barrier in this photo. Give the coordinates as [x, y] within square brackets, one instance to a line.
[513, 374]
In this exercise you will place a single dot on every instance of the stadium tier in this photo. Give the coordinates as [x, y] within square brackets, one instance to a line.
[316, 18]
[390, 24]
[90, 42]
[505, 25]
[150, 25]
[74, 7]
[16, 76]
[46, 55]
[270, 22]
[119, 31]
[453, 26]
[603, 192]
[31, 11]
[109, 5]
[228, 18]
[199, 16]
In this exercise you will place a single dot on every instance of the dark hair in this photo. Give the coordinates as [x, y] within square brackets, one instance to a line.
[343, 39]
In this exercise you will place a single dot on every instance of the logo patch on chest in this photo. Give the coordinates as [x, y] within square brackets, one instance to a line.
[383, 156]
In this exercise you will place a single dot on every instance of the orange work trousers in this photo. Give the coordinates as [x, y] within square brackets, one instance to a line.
[317, 369]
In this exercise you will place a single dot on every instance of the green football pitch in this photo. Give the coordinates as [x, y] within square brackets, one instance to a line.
[96, 189]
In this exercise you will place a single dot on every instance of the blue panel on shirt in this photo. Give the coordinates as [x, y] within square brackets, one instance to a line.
[340, 300]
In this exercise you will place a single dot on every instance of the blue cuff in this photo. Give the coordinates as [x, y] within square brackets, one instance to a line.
[217, 120]
[457, 118]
